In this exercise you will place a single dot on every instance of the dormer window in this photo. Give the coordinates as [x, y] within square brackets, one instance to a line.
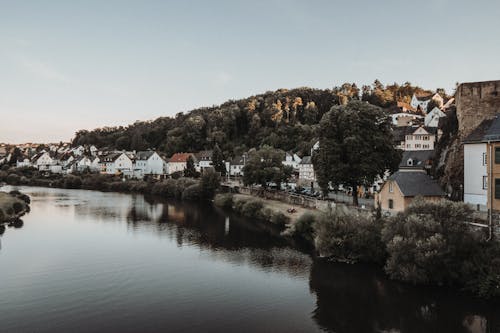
[409, 162]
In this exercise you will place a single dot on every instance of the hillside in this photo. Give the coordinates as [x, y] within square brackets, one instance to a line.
[284, 119]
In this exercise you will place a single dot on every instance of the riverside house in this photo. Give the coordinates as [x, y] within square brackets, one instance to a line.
[148, 163]
[178, 162]
[115, 163]
[402, 187]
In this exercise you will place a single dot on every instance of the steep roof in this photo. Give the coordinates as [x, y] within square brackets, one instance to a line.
[204, 155]
[111, 157]
[181, 157]
[415, 183]
[419, 158]
[306, 160]
[144, 155]
[489, 129]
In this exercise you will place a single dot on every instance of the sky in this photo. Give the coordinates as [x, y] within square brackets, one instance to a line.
[70, 65]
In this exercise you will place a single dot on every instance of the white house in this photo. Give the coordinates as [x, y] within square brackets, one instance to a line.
[78, 151]
[178, 162]
[405, 119]
[420, 138]
[204, 160]
[422, 101]
[292, 160]
[23, 161]
[42, 161]
[148, 163]
[115, 163]
[432, 118]
[306, 171]
[236, 165]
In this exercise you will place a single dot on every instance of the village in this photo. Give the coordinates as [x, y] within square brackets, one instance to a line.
[417, 128]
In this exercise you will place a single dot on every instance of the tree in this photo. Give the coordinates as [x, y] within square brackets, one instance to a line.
[218, 161]
[210, 182]
[264, 166]
[356, 147]
[16, 154]
[190, 170]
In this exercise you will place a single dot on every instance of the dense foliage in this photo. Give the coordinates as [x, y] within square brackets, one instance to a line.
[264, 166]
[356, 147]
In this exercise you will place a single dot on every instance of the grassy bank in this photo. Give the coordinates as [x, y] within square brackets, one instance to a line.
[182, 188]
[13, 205]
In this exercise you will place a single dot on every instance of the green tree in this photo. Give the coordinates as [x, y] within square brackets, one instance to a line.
[15, 155]
[218, 161]
[264, 166]
[210, 182]
[355, 147]
[190, 170]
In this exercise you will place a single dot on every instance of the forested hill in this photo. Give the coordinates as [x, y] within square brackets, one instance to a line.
[284, 119]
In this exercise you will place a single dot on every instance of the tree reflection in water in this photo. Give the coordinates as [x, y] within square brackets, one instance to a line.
[357, 298]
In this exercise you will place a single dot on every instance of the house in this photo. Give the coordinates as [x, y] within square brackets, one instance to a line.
[23, 161]
[292, 160]
[402, 187]
[405, 108]
[116, 163]
[421, 101]
[78, 151]
[416, 160]
[432, 118]
[306, 172]
[236, 165]
[420, 138]
[148, 163]
[42, 161]
[482, 166]
[204, 160]
[178, 162]
[405, 119]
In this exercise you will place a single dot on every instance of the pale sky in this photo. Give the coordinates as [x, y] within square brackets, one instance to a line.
[69, 65]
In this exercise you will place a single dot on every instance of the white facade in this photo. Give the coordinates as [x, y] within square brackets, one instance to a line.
[292, 161]
[121, 164]
[153, 165]
[44, 162]
[24, 163]
[475, 175]
[432, 118]
[420, 139]
[306, 170]
[415, 103]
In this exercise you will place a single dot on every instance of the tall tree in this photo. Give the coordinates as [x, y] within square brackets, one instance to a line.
[264, 166]
[356, 147]
[218, 161]
[190, 170]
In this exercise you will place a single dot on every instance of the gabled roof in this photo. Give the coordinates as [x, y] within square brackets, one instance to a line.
[416, 183]
[144, 155]
[419, 157]
[306, 160]
[237, 160]
[181, 157]
[111, 157]
[204, 155]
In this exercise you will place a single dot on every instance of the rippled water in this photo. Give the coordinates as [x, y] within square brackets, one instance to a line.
[86, 261]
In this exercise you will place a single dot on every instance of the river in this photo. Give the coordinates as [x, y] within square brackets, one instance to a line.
[86, 261]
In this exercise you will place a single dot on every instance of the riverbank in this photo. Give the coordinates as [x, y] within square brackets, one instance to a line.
[13, 205]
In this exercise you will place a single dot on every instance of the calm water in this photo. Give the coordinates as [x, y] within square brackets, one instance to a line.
[86, 261]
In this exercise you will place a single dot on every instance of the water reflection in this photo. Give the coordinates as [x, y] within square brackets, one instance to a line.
[330, 297]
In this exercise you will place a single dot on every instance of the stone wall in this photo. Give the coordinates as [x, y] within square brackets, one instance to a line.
[475, 102]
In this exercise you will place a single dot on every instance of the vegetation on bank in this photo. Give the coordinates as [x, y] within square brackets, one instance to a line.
[251, 207]
[183, 188]
[428, 244]
[13, 205]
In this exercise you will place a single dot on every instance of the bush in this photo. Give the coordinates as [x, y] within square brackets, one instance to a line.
[279, 218]
[252, 208]
[18, 207]
[13, 179]
[72, 182]
[166, 188]
[210, 182]
[348, 236]
[429, 243]
[193, 192]
[481, 273]
[2, 215]
[304, 227]
[224, 200]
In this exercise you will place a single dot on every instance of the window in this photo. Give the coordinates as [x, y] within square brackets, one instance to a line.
[426, 146]
[485, 182]
[425, 137]
[497, 155]
[391, 187]
[497, 188]
[391, 204]
[485, 161]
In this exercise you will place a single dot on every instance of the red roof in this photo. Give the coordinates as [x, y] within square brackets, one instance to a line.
[180, 157]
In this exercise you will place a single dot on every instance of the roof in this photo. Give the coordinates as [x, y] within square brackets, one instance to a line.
[144, 155]
[419, 158]
[306, 160]
[204, 155]
[180, 157]
[406, 106]
[488, 130]
[416, 183]
[111, 157]
[237, 160]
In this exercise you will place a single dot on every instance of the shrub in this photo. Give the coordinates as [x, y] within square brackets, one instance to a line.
[349, 236]
[224, 200]
[210, 182]
[72, 182]
[279, 218]
[166, 188]
[18, 207]
[13, 179]
[252, 208]
[304, 227]
[2, 215]
[429, 243]
[193, 192]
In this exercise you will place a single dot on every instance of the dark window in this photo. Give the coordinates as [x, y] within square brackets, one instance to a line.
[497, 188]
[497, 155]
[391, 203]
